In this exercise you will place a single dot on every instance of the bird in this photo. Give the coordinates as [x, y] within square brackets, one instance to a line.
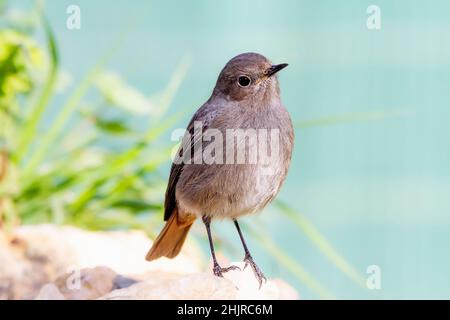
[246, 99]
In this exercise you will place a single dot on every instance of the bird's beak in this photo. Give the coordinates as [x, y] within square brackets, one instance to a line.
[275, 68]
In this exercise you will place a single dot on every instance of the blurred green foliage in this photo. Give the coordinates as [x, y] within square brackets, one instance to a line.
[19, 56]
[60, 171]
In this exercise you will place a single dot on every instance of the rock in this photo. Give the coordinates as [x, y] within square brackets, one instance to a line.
[38, 254]
[49, 262]
[20, 277]
[285, 290]
[50, 292]
[121, 282]
[85, 284]
[198, 286]
[235, 285]
[249, 289]
[122, 251]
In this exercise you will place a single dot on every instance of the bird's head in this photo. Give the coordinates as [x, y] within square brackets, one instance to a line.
[249, 76]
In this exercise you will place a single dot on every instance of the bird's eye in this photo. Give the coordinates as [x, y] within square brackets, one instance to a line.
[244, 81]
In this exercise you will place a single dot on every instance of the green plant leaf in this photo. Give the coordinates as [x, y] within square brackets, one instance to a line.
[136, 205]
[30, 125]
[119, 94]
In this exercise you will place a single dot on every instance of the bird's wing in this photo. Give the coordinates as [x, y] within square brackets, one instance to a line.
[170, 202]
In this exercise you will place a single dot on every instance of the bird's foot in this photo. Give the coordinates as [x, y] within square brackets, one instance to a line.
[256, 270]
[219, 271]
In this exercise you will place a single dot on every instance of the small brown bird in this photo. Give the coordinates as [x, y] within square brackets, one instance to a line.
[246, 102]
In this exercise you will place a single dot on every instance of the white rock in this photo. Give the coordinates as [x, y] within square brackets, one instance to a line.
[53, 258]
[123, 251]
[198, 286]
[20, 278]
[50, 292]
[235, 285]
[86, 284]
[249, 289]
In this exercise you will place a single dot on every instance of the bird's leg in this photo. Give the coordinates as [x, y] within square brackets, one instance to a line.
[217, 269]
[248, 259]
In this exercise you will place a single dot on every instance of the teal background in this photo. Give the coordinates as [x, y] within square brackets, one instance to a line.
[379, 190]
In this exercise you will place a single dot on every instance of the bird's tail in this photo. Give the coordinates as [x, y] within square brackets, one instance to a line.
[171, 238]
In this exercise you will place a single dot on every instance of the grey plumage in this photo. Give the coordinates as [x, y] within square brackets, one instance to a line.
[230, 190]
[223, 190]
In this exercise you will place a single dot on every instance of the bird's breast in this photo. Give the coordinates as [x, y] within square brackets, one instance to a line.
[241, 173]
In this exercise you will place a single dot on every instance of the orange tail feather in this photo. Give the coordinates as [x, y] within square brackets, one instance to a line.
[170, 240]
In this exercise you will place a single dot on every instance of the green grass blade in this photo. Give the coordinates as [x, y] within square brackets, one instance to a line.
[31, 123]
[121, 186]
[117, 164]
[321, 243]
[66, 111]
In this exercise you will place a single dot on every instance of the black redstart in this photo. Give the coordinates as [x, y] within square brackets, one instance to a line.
[233, 159]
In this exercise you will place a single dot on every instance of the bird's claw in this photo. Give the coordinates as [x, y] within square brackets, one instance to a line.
[256, 270]
[219, 271]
